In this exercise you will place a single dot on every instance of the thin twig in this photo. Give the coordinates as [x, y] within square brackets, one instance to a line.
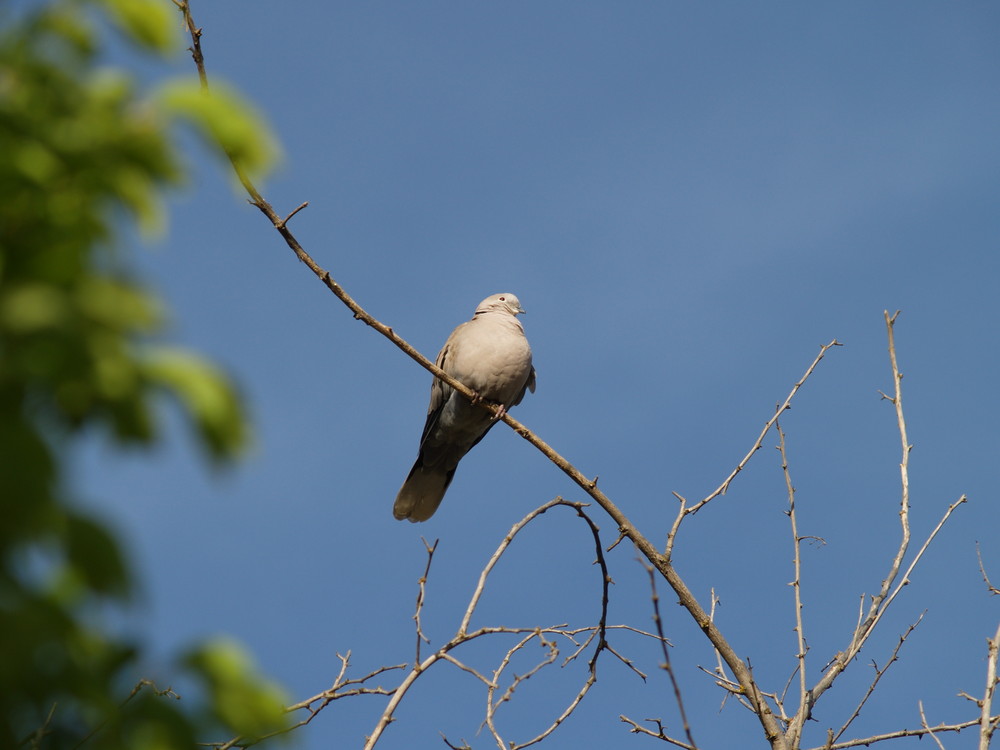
[925, 725]
[341, 688]
[421, 593]
[464, 635]
[136, 689]
[982, 570]
[514, 530]
[659, 734]
[890, 588]
[899, 733]
[658, 620]
[686, 510]
[804, 711]
[878, 676]
[602, 644]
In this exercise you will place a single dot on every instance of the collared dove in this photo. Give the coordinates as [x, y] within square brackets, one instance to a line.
[491, 356]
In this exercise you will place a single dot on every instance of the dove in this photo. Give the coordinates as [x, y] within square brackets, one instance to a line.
[490, 355]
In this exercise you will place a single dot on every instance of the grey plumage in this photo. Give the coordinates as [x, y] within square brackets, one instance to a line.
[490, 355]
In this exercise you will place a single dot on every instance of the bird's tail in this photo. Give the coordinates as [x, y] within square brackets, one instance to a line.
[422, 492]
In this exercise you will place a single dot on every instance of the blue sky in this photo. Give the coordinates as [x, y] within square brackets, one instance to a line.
[689, 200]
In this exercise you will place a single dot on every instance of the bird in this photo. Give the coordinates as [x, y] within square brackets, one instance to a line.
[490, 355]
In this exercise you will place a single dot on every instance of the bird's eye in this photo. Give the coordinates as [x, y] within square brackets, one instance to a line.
[503, 299]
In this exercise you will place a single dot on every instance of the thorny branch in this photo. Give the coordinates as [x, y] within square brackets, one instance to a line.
[743, 684]
[898, 734]
[925, 725]
[986, 579]
[879, 672]
[421, 593]
[684, 511]
[529, 634]
[659, 734]
[579, 638]
[892, 584]
[38, 735]
[668, 668]
[988, 722]
[795, 730]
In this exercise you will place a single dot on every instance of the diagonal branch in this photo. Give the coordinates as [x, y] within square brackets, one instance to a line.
[686, 510]
[922, 732]
[878, 676]
[659, 734]
[982, 570]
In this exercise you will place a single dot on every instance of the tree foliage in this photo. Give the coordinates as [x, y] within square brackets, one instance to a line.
[86, 155]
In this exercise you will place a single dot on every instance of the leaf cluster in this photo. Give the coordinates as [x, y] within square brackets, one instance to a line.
[85, 155]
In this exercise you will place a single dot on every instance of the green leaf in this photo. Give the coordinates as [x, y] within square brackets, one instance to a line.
[224, 119]
[206, 395]
[151, 23]
[241, 699]
[85, 153]
[31, 307]
[119, 305]
[93, 554]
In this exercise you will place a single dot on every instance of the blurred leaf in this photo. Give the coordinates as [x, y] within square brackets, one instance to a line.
[225, 120]
[31, 306]
[242, 700]
[93, 553]
[35, 162]
[151, 23]
[83, 156]
[207, 396]
[27, 482]
[117, 304]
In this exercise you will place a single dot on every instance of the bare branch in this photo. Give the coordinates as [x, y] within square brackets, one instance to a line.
[659, 734]
[805, 697]
[987, 722]
[890, 587]
[925, 725]
[515, 529]
[602, 644]
[878, 676]
[281, 224]
[922, 732]
[982, 570]
[39, 734]
[421, 592]
[466, 668]
[658, 620]
[341, 688]
[464, 635]
[686, 510]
